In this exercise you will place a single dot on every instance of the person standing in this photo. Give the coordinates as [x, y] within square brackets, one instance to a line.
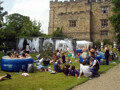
[107, 55]
[27, 48]
[63, 58]
[5, 49]
[85, 53]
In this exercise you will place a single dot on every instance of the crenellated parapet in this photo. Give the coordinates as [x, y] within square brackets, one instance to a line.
[57, 1]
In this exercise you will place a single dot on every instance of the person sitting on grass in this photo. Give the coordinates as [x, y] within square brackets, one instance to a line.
[57, 66]
[78, 54]
[66, 69]
[92, 52]
[94, 65]
[85, 70]
[69, 61]
[73, 72]
[39, 66]
[5, 76]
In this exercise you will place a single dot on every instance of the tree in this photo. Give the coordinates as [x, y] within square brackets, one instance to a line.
[31, 29]
[107, 41]
[115, 18]
[21, 26]
[46, 51]
[58, 33]
[97, 43]
[2, 14]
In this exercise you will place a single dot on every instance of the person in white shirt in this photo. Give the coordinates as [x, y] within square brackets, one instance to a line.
[27, 48]
[85, 70]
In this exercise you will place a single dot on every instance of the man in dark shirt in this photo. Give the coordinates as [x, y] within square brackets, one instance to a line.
[94, 65]
[74, 72]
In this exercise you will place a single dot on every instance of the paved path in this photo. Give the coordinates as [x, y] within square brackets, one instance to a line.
[107, 81]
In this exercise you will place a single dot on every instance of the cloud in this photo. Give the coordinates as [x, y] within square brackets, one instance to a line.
[35, 9]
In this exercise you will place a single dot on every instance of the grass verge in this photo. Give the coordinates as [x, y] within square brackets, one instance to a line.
[45, 80]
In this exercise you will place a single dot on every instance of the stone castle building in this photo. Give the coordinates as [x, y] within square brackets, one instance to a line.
[82, 19]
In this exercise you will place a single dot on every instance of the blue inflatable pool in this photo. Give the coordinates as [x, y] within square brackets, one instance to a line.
[81, 59]
[79, 50]
[15, 65]
[102, 55]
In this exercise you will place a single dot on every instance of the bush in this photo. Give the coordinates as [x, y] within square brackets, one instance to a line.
[97, 43]
[46, 52]
[2, 47]
[107, 41]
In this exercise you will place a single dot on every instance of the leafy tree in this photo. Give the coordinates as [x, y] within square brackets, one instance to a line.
[115, 18]
[106, 41]
[31, 29]
[46, 51]
[2, 14]
[97, 43]
[58, 33]
[21, 26]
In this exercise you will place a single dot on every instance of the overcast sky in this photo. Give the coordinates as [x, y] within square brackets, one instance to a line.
[35, 9]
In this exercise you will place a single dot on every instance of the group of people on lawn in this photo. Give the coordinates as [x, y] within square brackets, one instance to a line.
[90, 70]
[85, 69]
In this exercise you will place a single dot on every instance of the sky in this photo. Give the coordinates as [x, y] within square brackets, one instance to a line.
[36, 9]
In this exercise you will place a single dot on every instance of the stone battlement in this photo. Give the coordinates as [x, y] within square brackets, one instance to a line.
[57, 3]
[88, 1]
[66, 1]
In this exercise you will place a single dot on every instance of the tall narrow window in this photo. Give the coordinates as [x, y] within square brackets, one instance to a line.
[104, 9]
[104, 23]
[104, 33]
[72, 23]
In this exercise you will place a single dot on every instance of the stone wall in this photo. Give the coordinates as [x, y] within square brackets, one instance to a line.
[87, 15]
[97, 16]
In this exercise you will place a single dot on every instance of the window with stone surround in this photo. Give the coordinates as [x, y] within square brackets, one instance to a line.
[104, 9]
[104, 23]
[104, 33]
[72, 23]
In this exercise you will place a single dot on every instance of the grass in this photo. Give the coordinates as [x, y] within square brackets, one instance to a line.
[45, 80]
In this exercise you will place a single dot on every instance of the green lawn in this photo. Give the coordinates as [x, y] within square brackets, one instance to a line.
[45, 80]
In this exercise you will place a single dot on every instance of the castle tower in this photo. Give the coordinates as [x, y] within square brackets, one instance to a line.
[80, 19]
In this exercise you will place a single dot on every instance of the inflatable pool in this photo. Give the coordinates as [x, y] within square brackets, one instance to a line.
[81, 59]
[102, 55]
[98, 57]
[15, 65]
[79, 50]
